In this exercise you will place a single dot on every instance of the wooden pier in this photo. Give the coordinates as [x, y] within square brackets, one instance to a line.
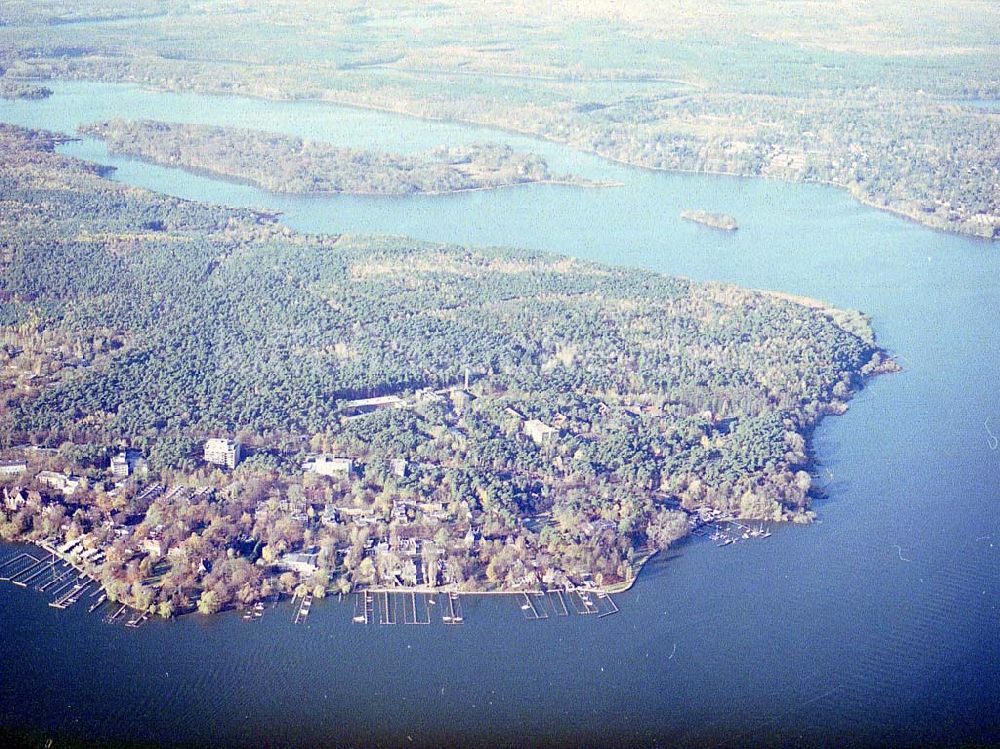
[415, 617]
[558, 602]
[612, 606]
[100, 602]
[581, 602]
[531, 611]
[387, 609]
[30, 572]
[15, 566]
[364, 607]
[453, 610]
[303, 611]
[56, 580]
[117, 614]
[80, 586]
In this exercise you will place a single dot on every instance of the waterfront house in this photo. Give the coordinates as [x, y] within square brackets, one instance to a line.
[303, 562]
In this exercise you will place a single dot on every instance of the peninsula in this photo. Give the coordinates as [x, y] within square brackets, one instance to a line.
[287, 164]
[282, 413]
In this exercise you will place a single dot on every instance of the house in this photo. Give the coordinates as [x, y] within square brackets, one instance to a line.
[177, 494]
[329, 465]
[13, 467]
[400, 508]
[329, 516]
[540, 432]
[303, 562]
[223, 452]
[63, 482]
[148, 495]
[13, 500]
[127, 462]
[459, 399]
[152, 546]
[399, 467]
[202, 494]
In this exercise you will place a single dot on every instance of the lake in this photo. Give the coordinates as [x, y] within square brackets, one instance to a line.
[877, 625]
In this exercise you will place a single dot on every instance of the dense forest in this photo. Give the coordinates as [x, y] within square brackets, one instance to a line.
[881, 108]
[134, 318]
[281, 163]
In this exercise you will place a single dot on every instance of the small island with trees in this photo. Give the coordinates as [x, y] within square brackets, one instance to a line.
[201, 408]
[288, 164]
[721, 221]
[14, 89]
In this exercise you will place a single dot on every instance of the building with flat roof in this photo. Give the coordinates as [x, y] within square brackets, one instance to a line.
[125, 463]
[330, 465]
[540, 432]
[223, 452]
[304, 562]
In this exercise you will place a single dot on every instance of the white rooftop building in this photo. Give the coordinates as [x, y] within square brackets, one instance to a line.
[330, 465]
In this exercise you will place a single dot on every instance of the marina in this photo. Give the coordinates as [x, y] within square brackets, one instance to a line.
[63, 579]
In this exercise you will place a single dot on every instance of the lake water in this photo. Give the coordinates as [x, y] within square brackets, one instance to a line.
[877, 625]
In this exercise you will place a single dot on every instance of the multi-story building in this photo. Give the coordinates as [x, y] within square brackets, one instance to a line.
[13, 467]
[125, 463]
[223, 452]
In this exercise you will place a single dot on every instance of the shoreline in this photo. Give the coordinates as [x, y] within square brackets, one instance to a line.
[331, 99]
